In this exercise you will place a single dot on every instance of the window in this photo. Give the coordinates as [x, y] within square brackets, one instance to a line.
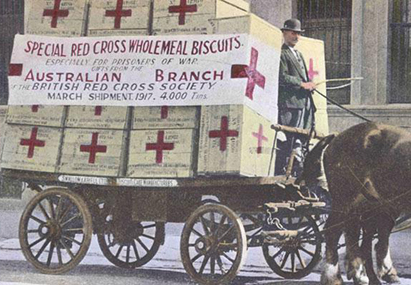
[400, 52]
[11, 23]
[330, 21]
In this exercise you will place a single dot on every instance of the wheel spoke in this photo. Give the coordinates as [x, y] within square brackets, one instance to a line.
[59, 255]
[37, 241]
[212, 265]
[292, 262]
[196, 257]
[65, 212]
[196, 232]
[71, 219]
[119, 251]
[58, 208]
[147, 236]
[46, 243]
[203, 223]
[306, 251]
[220, 264]
[285, 260]
[43, 211]
[302, 262]
[67, 249]
[32, 231]
[149, 226]
[225, 234]
[37, 219]
[128, 254]
[50, 253]
[53, 215]
[142, 244]
[220, 225]
[74, 230]
[212, 225]
[229, 258]
[71, 239]
[203, 265]
[277, 253]
[135, 250]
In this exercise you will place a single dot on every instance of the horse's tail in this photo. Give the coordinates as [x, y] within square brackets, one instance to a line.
[313, 162]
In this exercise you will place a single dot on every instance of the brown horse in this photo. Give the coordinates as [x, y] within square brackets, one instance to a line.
[368, 170]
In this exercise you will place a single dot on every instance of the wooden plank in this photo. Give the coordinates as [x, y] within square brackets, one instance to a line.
[92, 152]
[55, 17]
[161, 153]
[100, 117]
[118, 15]
[165, 117]
[31, 148]
[38, 115]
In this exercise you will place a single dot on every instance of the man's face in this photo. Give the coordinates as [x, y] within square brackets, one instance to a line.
[291, 38]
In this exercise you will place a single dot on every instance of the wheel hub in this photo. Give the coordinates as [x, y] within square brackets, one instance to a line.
[203, 244]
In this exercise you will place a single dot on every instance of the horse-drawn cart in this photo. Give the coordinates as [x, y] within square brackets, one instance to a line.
[223, 216]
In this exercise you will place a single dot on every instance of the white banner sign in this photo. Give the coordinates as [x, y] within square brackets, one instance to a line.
[144, 71]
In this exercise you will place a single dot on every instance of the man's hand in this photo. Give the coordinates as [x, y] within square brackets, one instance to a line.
[308, 85]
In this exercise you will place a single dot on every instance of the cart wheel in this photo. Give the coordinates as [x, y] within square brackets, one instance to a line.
[296, 257]
[213, 244]
[55, 230]
[134, 246]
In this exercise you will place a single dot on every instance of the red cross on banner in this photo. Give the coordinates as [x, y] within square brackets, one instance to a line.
[34, 108]
[182, 9]
[98, 110]
[160, 146]
[118, 14]
[311, 71]
[93, 148]
[164, 112]
[250, 72]
[260, 138]
[223, 133]
[55, 13]
[32, 142]
[15, 69]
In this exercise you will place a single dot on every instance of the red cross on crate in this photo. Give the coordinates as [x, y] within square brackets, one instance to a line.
[32, 142]
[311, 72]
[34, 108]
[55, 13]
[159, 146]
[182, 9]
[98, 110]
[93, 148]
[164, 112]
[250, 72]
[223, 133]
[118, 14]
[260, 138]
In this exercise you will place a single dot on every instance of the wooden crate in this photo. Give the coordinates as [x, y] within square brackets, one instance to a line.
[234, 140]
[193, 16]
[39, 115]
[56, 17]
[165, 117]
[92, 152]
[32, 148]
[162, 153]
[119, 17]
[98, 117]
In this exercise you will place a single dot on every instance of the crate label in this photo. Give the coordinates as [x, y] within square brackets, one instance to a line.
[96, 117]
[167, 117]
[39, 115]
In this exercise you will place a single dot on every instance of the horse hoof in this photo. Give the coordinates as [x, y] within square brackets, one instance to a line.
[331, 275]
[391, 278]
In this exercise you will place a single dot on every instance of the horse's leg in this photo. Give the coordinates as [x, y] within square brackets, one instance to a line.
[331, 274]
[386, 269]
[369, 228]
[353, 260]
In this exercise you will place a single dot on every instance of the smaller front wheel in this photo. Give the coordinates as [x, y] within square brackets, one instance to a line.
[213, 244]
[55, 230]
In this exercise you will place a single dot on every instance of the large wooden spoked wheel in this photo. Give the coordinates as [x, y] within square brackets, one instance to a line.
[55, 230]
[135, 244]
[213, 244]
[297, 256]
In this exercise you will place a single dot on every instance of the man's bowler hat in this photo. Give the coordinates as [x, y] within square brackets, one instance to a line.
[292, 25]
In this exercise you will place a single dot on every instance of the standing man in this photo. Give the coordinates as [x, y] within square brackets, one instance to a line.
[295, 105]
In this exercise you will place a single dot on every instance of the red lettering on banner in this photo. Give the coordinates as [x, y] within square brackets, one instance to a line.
[32, 142]
[260, 138]
[34, 108]
[250, 72]
[311, 71]
[15, 69]
[98, 110]
[55, 13]
[164, 112]
[223, 133]
[182, 9]
[93, 148]
[160, 146]
[118, 14]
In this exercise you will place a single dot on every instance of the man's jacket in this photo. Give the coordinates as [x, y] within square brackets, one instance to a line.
[290, 93]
